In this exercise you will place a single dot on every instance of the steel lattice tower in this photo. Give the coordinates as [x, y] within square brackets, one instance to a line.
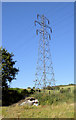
[44, 71]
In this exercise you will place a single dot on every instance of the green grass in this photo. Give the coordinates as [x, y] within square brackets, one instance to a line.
[55, 105]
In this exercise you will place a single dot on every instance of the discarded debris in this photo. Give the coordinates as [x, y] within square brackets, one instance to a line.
[30, 101]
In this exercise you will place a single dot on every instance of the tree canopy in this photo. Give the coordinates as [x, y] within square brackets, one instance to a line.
[8, 70]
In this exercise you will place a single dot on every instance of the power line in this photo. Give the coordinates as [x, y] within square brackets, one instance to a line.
[44, 70]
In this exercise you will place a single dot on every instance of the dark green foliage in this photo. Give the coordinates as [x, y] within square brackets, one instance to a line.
[54, 97]
[49, 88]
[39, 90]
[8, 69]
[33, 87]
[8, 74]
[10, 96]
[49, 92]
[62, 90]
[29, 88]
[65, 90]
[53, 88]
[19, 90]
[71, 84]
[13, 95]
[32, 91]
[44, 88]
[24, 93]
[47, 99]
[57, 88]
[69, 90]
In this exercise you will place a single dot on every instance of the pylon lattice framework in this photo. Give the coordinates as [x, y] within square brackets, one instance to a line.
[44, 71]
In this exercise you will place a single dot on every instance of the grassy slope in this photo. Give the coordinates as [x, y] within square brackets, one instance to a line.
[53, 111]
[60, 110]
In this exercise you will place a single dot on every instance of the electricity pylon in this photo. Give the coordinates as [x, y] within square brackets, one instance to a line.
[44, 71]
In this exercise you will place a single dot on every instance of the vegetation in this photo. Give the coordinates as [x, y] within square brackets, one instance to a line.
[52, 88]
[54, 105]
[10, 96]
[8, 69]
[55, 97]
[8, 73]
[14, 95]
[54, 102]
[29, 88]
[47, 111]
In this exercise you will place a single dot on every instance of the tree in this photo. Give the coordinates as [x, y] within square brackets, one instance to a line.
[8, 70]
[49, 87]
[29, 88]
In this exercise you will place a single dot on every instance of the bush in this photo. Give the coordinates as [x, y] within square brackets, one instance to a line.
[10, 96]
[39, 90]
[55, 88]
[69, 89]
[44, 98]
[62, 90]
[65, 90]
[53, 98]
[33, 87]
[32, 91]
[24, 93]
[48, 88]
[49, 92]
[29, 88]
[71, 84]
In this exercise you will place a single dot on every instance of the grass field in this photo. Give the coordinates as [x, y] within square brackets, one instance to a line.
[47, 111]
[55, 105]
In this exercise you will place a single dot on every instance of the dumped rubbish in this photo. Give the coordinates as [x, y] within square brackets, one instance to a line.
[36, 102]
[30, 101]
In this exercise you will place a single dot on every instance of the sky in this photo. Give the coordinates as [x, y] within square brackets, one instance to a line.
[19, 36]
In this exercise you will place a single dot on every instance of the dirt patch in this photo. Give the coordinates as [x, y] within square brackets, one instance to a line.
[72, 104]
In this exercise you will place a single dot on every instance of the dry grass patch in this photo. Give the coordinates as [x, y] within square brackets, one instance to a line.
[47, 111]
